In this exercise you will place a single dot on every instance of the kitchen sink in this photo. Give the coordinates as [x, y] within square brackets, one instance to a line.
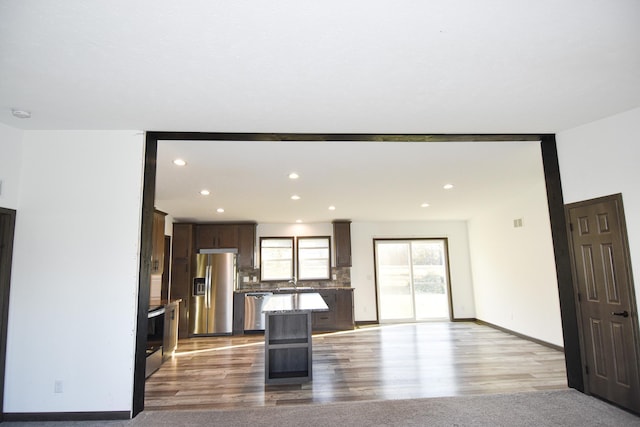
[297, 288]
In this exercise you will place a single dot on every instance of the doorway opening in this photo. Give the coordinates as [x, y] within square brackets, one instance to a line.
[551, 169]
[412, 280]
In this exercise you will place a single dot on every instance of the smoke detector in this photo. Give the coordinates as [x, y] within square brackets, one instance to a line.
[21, 114]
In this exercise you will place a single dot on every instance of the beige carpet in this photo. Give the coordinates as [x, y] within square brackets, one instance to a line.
[545, 408]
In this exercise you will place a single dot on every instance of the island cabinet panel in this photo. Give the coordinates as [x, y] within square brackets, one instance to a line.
[216, 236]
[182, 266]
[288, 348]
[340, 314]
[246, 245]
[170, 340]
[342, 242]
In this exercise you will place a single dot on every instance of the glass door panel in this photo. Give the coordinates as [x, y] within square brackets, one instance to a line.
[430, 279]
[394, 281]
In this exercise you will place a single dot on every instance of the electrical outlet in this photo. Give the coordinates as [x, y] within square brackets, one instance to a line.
[57, 386]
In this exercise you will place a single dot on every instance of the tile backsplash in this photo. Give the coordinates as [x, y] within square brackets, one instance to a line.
[245, 280]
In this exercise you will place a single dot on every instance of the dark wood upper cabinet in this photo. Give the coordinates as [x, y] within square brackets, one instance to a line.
[157, 243]
[216, 236]
[342, 242]
[246, 245]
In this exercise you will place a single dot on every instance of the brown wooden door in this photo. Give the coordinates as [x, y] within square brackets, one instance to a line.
[607, 309]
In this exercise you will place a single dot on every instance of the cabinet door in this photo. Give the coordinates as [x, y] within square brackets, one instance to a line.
[227, 236]
[182, 240]
[246, 245]
[157, 243]
[342, 241]
[205, 236]
[344, 309]
[215, 236]
[181, 267]
[326, 320]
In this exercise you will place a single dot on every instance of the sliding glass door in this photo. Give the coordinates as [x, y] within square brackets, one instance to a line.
[412, 280]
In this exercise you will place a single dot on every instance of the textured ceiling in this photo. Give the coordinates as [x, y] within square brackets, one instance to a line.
[360, 66]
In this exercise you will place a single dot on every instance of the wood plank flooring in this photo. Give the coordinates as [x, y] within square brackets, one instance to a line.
[380, 362]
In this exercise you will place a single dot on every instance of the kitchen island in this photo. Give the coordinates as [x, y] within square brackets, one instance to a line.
[288, 342]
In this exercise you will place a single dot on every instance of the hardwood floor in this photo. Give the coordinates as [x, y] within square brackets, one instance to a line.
[380, 362]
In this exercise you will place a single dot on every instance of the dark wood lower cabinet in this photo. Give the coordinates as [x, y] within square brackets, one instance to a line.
[340, 314]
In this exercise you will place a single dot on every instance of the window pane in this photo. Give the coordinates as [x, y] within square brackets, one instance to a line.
[276, 258]
[314, 258]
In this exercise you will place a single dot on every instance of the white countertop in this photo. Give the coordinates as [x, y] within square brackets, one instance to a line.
[307, 301]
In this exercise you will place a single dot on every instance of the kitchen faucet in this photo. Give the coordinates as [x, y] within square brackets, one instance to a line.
[293, 281]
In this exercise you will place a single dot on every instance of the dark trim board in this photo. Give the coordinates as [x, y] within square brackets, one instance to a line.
[67, 416]
[366, 323]
[555, 206]
[7, 230]
[568, 309]
[148, 198]
[519, 335]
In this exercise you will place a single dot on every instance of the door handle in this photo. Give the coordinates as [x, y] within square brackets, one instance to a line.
[620, 313]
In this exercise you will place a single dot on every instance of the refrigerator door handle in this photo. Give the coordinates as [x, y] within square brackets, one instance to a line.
[207, 292]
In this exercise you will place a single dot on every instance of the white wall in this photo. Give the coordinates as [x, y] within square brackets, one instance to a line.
[74, 284]
[514, 274]
[362, 270]
[10, 155]
[600, 159]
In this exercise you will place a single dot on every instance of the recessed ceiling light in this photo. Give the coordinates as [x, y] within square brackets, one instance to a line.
[179, 162]
[424, 205]
[299, 221]
[293, 175]
[220, 210]
[205, 192]
[332, 208]
[295, 197]
[21, 114]
[448, 186]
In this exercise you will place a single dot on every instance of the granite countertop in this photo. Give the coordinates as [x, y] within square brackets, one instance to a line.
[283, 303]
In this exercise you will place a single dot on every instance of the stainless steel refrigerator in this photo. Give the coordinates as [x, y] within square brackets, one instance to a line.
[211, 299]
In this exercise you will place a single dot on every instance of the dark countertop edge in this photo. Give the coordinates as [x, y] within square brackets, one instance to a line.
[294, 311]
[286, 291]
[164, 303]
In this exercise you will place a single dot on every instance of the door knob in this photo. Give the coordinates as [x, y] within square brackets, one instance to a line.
[621, 313]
